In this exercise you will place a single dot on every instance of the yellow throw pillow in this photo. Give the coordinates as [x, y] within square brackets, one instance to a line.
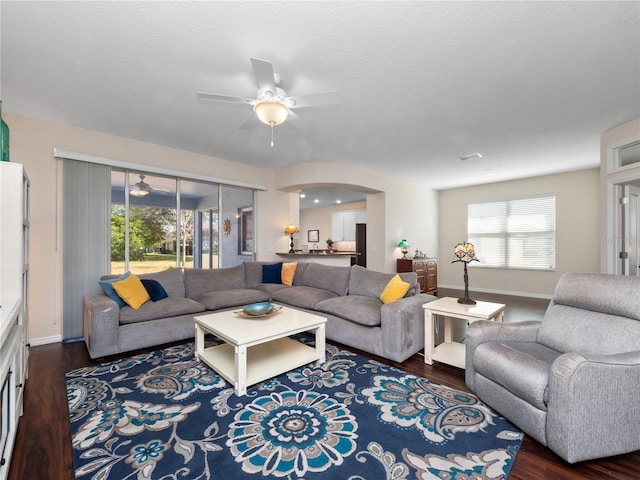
[132, 291]
[394, 290]
[288, 272]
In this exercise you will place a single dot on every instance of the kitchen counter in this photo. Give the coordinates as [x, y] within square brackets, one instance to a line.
[342, 259]
[316, 254]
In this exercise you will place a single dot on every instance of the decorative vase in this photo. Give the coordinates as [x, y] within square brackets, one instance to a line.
[4, 142]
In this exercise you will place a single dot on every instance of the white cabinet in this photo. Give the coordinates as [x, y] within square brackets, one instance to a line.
[337, 230]
[343, 224]
[14, 278]
[349, 226]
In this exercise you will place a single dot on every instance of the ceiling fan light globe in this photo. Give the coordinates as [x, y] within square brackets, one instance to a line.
[271, 113]
[139, 193]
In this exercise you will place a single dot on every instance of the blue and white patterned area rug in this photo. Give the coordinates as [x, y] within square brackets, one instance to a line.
[164, 415]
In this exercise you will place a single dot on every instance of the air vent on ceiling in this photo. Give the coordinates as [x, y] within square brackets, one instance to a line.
[471, 156]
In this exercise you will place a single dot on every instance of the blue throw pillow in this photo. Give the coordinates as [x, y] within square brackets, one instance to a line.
[154, 288]
[272, 273]
[109, 291]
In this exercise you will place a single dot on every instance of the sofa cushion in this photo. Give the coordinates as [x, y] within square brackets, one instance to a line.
[288, 272]
[107, 282]
[522, 368]
[253, 273]
[198, 281]
[231, 298]
[270, 288]
[154, 288]
[327, 277]
[356, 308]
[171, 280]
[303, 297]
[298, 277]
[272, 273]
[394, 290]
[132, 291]
[561, 324]
[615, 295]
[370, 283]
[167, 307]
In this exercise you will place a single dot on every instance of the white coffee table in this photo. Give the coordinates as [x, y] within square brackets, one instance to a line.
[256, 349]
[450, 352]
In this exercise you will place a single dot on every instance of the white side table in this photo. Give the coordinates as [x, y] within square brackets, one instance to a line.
[450, 352]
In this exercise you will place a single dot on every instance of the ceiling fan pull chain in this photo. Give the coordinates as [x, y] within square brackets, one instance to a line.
[272, 134]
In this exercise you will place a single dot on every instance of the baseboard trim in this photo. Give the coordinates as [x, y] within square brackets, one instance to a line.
[500, 292]
[34, 342]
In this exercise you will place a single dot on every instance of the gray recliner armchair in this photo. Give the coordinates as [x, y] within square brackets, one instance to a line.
[571, 381]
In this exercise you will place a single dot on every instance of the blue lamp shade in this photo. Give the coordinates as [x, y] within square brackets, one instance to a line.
[404, 245]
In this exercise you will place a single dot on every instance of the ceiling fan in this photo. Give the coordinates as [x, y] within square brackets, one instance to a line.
[142, 188]
[272, 105]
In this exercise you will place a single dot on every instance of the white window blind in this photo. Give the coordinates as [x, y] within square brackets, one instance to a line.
[518, 233]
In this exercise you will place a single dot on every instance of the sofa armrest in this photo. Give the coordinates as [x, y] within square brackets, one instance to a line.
[402, 324]
[587, 391]
[485, 331]
[101, 318]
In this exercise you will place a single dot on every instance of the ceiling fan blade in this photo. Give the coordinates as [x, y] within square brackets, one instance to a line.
[313, 100]
[253, 122]
[263, 72]
[224, 98]
[298, 123]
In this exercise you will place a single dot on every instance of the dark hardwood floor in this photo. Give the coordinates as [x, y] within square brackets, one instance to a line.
[43, 443]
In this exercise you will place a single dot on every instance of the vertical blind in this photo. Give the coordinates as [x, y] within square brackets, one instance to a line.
[518, 233]
[85, 234]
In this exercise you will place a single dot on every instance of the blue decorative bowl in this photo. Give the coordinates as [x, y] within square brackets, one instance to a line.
[256, 309]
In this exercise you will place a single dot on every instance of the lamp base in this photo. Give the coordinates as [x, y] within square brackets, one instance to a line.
[466, 301]
[291, 250]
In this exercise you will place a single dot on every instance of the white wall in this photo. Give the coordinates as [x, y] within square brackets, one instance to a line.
[577, 232]
[411, 213]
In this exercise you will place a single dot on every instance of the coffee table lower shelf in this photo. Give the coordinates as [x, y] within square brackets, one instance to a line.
[263, 361]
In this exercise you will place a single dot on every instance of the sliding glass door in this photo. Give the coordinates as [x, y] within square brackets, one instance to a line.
[148, 234]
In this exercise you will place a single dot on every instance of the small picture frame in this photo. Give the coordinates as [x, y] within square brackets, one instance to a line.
[313, 235]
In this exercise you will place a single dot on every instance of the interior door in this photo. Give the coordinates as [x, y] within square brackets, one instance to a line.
[631, 230]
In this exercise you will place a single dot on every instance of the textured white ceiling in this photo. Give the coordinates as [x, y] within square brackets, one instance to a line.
[530, 85]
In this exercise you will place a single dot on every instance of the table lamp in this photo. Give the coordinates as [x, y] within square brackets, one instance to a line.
[290, 230]
[465, 252]
[404, 246]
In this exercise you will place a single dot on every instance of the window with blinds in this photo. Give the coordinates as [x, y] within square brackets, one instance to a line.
[518, 233]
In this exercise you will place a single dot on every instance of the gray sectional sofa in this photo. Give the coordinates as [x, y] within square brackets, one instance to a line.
[347, 296]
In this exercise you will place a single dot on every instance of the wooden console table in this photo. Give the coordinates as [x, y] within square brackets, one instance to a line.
[425, 268]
